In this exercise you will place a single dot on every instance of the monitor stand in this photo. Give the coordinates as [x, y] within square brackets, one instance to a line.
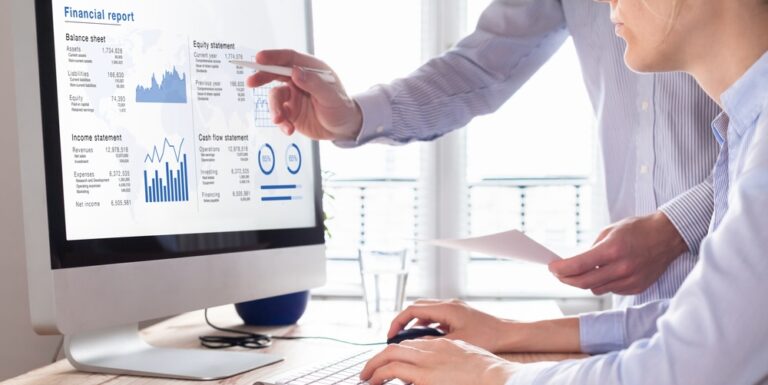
[121, 350]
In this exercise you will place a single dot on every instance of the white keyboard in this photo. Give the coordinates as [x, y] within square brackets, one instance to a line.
[342, 371]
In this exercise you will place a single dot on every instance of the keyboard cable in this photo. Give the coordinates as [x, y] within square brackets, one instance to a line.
[251, 340]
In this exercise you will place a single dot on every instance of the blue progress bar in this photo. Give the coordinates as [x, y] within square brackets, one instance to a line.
[272, 199]
[279, 187]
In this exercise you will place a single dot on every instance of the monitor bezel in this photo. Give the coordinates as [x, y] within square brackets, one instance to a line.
[95, 252]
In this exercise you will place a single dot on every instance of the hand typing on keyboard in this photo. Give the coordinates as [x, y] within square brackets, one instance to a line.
[421, 362]
[438, 362]
[342, 371]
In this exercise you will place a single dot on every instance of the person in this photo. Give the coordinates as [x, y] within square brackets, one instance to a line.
[640, 117]
[656, 155]
[714, 331]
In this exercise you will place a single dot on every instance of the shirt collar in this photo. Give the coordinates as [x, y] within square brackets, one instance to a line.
[745, 99]
[720, 127]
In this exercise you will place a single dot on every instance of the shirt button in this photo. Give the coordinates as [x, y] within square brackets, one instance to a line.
[643, 169]
[380, 129]
[644, 105]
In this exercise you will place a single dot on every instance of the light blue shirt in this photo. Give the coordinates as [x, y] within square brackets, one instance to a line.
[656, 150]
[715, 330]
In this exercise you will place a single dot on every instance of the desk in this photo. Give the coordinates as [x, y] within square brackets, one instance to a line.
[339, 319]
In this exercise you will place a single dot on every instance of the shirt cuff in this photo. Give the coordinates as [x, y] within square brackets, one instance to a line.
[602, 332]
[377, 118]
[528, 373]
[691, 213]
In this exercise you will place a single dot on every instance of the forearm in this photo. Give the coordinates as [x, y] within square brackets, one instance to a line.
[611, 330]
[593, 333]
[718, 316]
[559, 335]
[668, 242]
[512, 41]
[691, 212]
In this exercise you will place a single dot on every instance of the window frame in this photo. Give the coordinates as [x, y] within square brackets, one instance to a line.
[443, 187]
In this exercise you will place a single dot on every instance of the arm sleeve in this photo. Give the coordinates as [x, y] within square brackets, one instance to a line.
[714, 329]
[512, 41]
[691, 213]
[607, 331]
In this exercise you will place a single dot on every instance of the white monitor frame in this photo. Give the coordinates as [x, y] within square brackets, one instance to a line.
[73, 301]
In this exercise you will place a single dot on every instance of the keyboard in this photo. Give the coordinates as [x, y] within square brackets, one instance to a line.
[341, 371]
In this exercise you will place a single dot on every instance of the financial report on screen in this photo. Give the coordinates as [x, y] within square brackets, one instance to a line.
[159, 134]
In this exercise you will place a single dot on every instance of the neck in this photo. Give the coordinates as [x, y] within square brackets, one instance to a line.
[733, 47]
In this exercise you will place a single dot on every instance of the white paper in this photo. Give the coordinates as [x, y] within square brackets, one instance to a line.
[508, 244]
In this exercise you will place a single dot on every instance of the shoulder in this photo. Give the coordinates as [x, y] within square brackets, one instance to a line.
[756, 154]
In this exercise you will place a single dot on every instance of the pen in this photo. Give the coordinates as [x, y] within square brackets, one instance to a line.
[285, 71]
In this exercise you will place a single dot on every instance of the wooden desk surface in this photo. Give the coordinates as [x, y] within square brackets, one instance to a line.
[338, 319]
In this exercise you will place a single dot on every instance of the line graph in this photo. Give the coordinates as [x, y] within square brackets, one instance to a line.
[158, 156]
[171, 89]
[263, 119]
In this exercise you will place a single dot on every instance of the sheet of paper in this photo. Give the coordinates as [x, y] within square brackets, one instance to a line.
[508, 244]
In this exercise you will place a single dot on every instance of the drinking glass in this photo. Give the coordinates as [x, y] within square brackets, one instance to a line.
[384, 274]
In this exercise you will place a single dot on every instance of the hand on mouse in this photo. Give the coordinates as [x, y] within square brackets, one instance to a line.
[456, 318]
[437, 362]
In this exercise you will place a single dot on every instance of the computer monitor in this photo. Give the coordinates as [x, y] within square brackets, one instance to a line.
[154, 182]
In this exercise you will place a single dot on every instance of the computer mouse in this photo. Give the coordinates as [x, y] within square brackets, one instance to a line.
[415, 332]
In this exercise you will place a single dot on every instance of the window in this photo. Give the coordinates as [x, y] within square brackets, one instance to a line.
[370, 191]
[533, 166]
[531, 169]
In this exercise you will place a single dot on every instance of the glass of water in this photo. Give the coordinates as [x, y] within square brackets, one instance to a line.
[384, 274]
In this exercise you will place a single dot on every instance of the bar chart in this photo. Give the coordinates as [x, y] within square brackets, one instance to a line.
[164, 182]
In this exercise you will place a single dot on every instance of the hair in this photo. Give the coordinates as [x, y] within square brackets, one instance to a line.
[676, 6]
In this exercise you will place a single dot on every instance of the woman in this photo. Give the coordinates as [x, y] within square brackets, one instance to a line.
[714, 331]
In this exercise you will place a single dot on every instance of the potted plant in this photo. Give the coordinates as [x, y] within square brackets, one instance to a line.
[284, 309]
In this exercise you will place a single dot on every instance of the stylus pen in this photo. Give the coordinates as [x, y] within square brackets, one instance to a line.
[285, 71]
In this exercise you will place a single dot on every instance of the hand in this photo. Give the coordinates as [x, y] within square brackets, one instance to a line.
[456, 318]
[627, 257]
[438, 362]
[316, 108]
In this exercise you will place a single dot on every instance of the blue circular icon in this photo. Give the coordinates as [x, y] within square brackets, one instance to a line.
[293, 159]
[266, 159]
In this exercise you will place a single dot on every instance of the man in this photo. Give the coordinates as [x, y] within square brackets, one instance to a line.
[650, 126]
[715, 329]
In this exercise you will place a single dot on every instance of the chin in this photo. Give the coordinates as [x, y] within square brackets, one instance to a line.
[645, 63]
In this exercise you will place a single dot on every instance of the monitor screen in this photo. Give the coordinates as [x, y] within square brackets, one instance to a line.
[154, 146]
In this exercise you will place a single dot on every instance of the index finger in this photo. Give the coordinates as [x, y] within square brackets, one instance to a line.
[289, 58]
[261, 78]
[580, 264]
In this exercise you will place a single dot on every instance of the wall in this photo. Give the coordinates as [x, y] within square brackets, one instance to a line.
[20, 348]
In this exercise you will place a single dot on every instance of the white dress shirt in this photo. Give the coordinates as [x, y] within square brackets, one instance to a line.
[715, 330]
